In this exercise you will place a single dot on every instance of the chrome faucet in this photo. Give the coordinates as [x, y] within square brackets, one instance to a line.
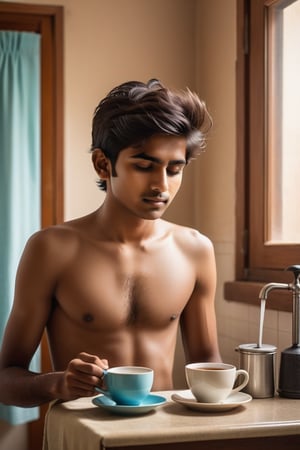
[295, 288]
[289, 380]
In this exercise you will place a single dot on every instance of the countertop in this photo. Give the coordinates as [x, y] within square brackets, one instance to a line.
[80, 422]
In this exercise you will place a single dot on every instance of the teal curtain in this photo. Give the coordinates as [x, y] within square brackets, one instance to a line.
[19, 172]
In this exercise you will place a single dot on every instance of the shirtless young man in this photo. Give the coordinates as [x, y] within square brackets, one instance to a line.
[111, 288]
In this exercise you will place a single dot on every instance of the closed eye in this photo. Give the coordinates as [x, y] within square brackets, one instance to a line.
[171, 171]
[143, 167]
[175, 170]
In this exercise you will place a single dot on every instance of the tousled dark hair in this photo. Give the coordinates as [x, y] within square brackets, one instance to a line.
[135, 111]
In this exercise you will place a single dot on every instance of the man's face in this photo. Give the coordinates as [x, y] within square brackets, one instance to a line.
[148, 177]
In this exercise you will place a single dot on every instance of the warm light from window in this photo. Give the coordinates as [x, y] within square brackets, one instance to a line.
[283, 130]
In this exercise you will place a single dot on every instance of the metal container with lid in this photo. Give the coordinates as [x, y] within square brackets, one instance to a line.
[259, 362]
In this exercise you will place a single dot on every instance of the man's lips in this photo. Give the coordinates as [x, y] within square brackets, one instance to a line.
[156, 200]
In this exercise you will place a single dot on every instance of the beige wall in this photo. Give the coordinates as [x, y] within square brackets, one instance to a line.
[106, 43]
[184, 43]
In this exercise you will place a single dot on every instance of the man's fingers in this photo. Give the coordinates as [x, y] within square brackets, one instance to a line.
[89, 365]
[93, 359]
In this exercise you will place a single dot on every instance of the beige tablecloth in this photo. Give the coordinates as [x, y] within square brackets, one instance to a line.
[65, 426]
[80, 425]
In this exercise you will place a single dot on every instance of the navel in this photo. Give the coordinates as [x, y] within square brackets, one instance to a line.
[87, 318]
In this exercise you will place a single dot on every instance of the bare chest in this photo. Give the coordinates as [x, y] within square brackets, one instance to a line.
[116, 289]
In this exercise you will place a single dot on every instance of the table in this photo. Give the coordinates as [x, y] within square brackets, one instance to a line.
[272, 423]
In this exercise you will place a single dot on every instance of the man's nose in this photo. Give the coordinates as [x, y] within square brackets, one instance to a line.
[159, 182]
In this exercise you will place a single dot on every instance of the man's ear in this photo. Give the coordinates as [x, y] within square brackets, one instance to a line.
[101, 163]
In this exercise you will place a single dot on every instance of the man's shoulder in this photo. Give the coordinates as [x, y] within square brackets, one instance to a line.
[51, 234]
[66, 229]
[192, 234]
[191, 239]
[54, 237]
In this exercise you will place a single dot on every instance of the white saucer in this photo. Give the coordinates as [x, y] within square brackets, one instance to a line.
[187, 399]
[150, 402]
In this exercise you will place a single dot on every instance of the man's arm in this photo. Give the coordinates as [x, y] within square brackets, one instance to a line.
[38, 272]
[198, 321]
[21, 387]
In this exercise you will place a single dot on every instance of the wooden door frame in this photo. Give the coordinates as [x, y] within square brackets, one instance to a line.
[48, 22]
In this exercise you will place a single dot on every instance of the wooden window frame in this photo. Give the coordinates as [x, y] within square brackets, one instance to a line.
[256, 261]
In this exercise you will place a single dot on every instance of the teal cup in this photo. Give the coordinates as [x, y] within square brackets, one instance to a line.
[127, 385]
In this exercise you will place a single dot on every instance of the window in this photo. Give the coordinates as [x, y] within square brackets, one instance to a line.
[268, 154]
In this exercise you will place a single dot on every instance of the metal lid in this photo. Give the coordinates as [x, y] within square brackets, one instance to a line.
[253, 348]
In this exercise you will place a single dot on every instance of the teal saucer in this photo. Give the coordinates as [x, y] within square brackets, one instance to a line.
[150, 402]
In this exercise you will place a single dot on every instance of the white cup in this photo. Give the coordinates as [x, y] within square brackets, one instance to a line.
[213, 382]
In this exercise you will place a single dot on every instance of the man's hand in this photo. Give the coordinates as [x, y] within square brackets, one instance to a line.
[81, 376]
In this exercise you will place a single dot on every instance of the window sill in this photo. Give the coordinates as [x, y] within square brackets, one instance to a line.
[248, 292]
